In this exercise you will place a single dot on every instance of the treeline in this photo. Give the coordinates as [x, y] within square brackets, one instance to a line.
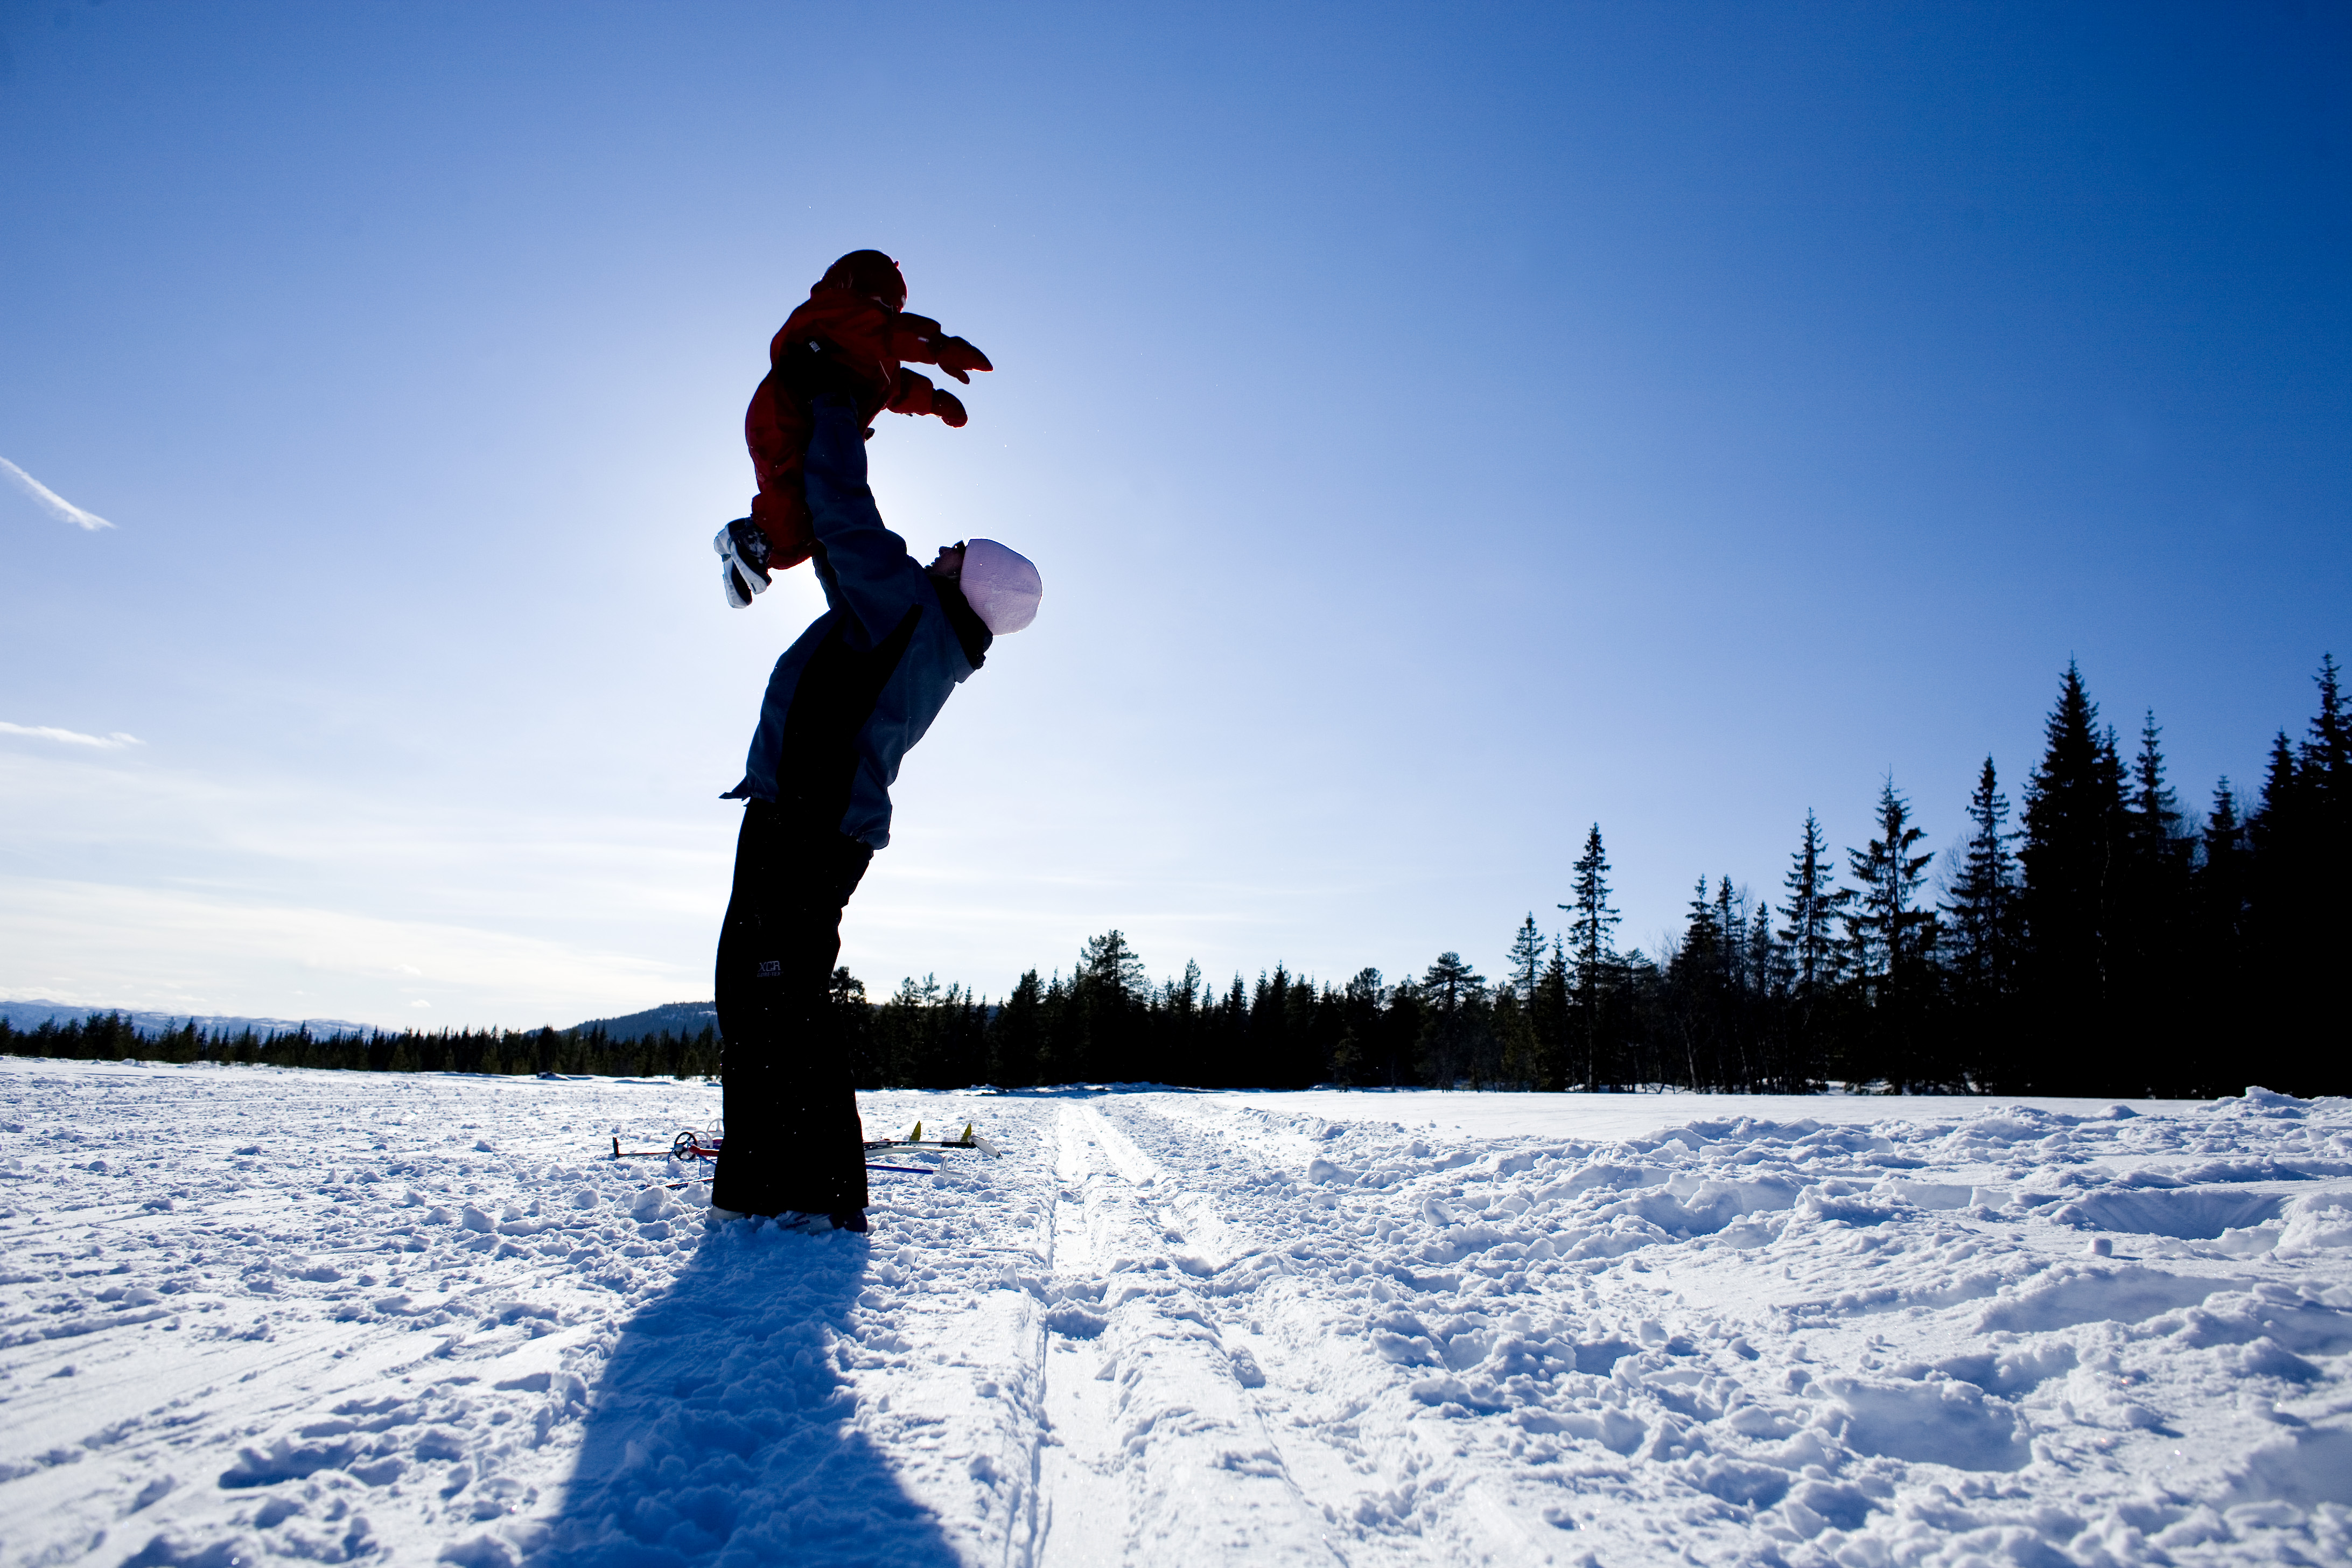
[109, 1036]
[2105, 940]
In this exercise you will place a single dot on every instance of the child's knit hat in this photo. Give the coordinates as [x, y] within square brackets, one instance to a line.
[1000, 586]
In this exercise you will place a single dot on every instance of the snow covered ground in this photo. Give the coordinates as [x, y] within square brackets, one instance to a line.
[248, 1314]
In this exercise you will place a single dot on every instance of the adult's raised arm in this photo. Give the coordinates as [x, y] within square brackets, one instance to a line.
[867, 574]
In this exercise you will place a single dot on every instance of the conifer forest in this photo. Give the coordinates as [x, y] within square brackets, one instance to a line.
[2092, 936]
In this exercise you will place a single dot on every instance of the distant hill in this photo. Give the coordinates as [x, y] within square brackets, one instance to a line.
[669, 1018]
[146, 1021]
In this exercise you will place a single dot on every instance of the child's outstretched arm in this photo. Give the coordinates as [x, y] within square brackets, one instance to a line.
[925, 341]
[916, 394]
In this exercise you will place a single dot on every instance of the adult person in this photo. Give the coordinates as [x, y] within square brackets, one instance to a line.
[847, 699]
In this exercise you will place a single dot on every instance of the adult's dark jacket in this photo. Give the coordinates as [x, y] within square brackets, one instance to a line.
[866, 679]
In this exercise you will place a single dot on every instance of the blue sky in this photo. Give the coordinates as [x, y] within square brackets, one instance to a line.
[1439, 428]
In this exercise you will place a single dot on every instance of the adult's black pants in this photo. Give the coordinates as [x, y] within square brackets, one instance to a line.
[793, 1140]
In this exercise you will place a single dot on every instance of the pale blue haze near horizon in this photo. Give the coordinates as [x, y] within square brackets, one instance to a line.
[1439, 428]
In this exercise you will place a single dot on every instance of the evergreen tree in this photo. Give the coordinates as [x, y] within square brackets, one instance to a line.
[1981, 952]
[1716, 981]
[1320, 1020]
[1109, 995]
[2221, 870]
[1694, 998]
[1174, 1025]
[1591, 924]
[1060, 1054]
[1016, 1037]
[1456, 1000]
[2279, 834]
[2215, 969]
[1810, 942]
[1107, 960]
[1730, 926]
[1890, 945]
[1735, 1019]
[1229, 1036]
[2296, 925]
[1761, 965]
[906, 1036]
[955, 1041]
[2151, 922]
[1526, 958]
[2329, 751]
[1550, 1019]
[1982, 903]
[1403, 1022]
[2153, 824]
[2074, 822]
[1521, 1065]
[1294, 1051]
[1519, 1056]
[1356, 1058]
[1183, 994]
[1272, 1042]
[853, 1024]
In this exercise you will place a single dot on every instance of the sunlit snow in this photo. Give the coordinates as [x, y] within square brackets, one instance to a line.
[249, 1314]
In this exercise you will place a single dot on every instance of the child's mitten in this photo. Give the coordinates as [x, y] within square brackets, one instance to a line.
[957, 356]
[916, 394]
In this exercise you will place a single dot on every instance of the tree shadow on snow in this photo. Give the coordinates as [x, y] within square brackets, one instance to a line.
[723, 1434]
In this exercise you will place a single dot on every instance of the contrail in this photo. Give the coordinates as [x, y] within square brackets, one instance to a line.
[113, 743]
[54, 503]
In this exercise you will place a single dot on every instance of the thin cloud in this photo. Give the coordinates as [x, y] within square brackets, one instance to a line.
[53, 503]
[113, 743]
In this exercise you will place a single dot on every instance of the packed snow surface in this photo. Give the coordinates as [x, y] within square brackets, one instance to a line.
[248, 1314]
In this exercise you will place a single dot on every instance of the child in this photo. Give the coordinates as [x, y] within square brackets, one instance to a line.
[848, 338]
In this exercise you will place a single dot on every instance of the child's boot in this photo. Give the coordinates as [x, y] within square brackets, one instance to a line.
[743, 561]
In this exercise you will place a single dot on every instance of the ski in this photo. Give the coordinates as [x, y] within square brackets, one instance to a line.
[685, 1146]
[706, 1145]
[972, 1138]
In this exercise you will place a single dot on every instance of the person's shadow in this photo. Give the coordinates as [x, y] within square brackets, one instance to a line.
[722, 1432]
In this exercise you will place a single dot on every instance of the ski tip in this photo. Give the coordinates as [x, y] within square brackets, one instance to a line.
[616, 1148]
[983, 1142]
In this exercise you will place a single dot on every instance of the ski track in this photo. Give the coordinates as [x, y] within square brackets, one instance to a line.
[250, 1314]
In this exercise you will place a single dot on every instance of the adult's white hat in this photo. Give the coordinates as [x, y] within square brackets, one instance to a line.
[1000, 586]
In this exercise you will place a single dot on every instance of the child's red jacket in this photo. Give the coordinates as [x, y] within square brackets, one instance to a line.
[853, 315]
